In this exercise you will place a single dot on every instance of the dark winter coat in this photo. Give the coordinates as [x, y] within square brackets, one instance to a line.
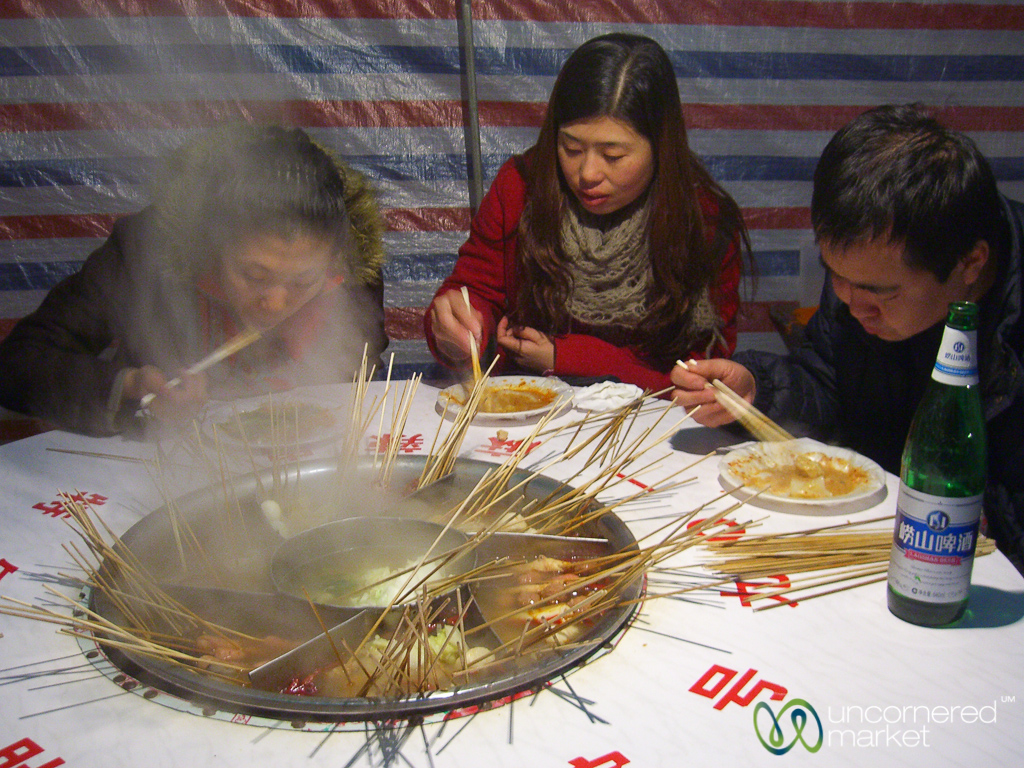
[847, 387]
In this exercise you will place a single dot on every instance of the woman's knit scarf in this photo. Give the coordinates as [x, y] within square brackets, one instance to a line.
[609, 263]
[611, 272]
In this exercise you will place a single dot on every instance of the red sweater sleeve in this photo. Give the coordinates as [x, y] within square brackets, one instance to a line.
[486, 260]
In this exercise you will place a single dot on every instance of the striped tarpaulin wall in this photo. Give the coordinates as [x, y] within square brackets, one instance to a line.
[92, 91]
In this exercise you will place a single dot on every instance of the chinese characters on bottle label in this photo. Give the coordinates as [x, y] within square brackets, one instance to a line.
[934, 542]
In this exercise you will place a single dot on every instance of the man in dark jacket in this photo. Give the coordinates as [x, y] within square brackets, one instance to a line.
[252, 228]
[908, 219]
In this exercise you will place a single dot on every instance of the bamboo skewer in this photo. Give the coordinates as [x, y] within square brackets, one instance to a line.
[615, 450]
[230, 347]
[842, 554]
[473, 351]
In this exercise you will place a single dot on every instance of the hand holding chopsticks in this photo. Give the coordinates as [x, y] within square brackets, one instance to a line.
[239, 342]
[474, 353]
[757, 423]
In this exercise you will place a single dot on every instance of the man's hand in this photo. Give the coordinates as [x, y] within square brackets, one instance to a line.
[693, 387]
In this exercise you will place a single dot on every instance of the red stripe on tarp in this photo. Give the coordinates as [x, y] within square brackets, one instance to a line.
[831, 118]
[777, 218]
[289, 9]
[771, 117]
[126, 116]
[133, 115]
[404, 323]
[512, 114]
[428, 219]
[56, 225]
[765, 13]
[761, 13]
[395, 219]
[99, 225]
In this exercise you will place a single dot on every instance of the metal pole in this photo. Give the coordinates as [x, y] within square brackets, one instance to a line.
[473, 156]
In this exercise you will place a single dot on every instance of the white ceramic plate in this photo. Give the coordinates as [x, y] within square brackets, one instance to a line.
[279, 421]
[741, 467]
[451, 397]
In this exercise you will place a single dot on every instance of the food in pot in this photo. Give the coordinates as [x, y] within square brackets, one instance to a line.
[543, 598]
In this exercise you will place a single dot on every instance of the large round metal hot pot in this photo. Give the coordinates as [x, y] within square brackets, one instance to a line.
[213, 550]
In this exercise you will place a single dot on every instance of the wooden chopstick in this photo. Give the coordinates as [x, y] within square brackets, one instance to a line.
[759, 425]
[477, 372]
[473, 351]
[227, 349]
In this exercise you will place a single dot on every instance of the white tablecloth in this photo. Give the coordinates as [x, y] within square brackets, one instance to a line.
[694, 680]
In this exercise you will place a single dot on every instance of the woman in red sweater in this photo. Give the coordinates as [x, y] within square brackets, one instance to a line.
[606, 250]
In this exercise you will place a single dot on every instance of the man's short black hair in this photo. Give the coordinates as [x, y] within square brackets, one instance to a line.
[896, 172]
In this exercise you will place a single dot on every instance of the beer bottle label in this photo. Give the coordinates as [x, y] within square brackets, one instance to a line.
[955, 363]
[934, 542]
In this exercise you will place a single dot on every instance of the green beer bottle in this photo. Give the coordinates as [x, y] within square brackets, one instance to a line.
[942, 479]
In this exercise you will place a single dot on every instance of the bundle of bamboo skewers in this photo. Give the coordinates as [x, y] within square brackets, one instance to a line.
[156, 626]
[803, 565]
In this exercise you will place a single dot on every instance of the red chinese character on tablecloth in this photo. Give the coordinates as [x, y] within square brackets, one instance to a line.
[733, 695]
[6, 568]
[407, 443]
[745, 590]
[56, 508]
[51, 508]
[611, 760]
[18, 753]
[92, 499]
[720, 536]
[495, 446]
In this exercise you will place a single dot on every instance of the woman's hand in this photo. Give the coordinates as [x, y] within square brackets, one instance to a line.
[453, 321]
[693, 388]
[529, 348]
[178, 404]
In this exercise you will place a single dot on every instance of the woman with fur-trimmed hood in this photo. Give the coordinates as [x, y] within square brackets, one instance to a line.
[251, 227]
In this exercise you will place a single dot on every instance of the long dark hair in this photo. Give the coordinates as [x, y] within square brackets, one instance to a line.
[629, 78]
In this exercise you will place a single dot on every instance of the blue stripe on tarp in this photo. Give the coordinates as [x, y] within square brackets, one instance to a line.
[97, 172]
[121, 60]
[103, 172]
[113, 60]
[725, 168]
[35, 275]
[91, 172]
[784, 263]
[776, 65]
[418, 267]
